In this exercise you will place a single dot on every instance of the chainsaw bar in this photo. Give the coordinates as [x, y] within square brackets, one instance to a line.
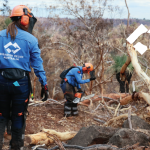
[77, 100]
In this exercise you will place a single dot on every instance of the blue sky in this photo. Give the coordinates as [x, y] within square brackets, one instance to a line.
[138, 8]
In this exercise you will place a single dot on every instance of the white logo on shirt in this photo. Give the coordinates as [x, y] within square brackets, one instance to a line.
[14, 45]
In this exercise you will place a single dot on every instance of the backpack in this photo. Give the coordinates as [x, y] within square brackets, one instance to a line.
[63, 74]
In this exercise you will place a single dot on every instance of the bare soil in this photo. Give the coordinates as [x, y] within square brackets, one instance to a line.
[51, 116]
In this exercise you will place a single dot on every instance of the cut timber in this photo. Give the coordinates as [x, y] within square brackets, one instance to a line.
[46, 137]
[145, 96]
[109, 96]
[136, 96]
[126, 100]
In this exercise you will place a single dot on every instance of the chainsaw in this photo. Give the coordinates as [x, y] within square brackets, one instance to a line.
[79, 96]
[77, 100]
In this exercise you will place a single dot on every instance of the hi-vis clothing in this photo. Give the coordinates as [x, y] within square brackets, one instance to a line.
[21, 53]
[74, 77]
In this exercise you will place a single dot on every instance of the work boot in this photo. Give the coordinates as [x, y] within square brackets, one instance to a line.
[67, 109]
[74, 110]
[17, 141]
[3, 123]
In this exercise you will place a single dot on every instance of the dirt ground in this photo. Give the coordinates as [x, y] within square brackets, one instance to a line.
[49, 115]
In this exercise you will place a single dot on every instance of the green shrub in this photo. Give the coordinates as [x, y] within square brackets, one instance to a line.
[118, 63]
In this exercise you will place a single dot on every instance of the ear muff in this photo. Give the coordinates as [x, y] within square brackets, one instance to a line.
[84, 68]
[24, 20]
[25, 17]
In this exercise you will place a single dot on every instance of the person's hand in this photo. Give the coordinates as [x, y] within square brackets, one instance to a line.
[44, 91]
[80, 91]
[93, 78]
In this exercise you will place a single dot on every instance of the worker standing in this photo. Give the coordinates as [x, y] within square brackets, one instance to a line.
[72, 79]
[18, 51]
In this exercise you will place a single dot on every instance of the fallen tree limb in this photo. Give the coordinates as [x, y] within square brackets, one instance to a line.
[111, 96]
[136, 96]
[43, 137]
[37, 103]
[123, 116]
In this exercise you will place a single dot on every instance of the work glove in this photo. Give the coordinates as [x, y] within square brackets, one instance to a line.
[92, 74]
[44, 91]
[79, 91]
[92, 78]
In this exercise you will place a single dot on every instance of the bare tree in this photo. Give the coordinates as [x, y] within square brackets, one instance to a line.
[87, 34]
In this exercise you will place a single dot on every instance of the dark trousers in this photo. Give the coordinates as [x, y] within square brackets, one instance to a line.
[14, 96]
[70, 109]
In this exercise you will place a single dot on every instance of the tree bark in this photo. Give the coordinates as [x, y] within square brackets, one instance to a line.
[97, 98]
[44, 137]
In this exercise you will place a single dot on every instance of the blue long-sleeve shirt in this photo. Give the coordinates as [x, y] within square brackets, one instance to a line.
[74, 77]
[21, 53]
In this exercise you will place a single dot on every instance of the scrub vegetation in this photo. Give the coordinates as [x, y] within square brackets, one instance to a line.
[89, 37]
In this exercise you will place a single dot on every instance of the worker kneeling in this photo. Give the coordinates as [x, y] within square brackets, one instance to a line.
[72, 78]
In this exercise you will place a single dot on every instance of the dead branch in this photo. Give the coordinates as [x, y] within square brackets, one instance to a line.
[37, 103]
[128, 13]
[123, 116]
[106, 96]
[101, 121]
[44, 138]
[129, 118]
[116, 110]
[136, 96]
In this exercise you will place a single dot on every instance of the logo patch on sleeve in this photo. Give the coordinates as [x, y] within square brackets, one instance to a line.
[79, 72]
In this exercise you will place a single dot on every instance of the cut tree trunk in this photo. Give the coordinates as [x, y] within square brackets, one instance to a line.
[136, 96]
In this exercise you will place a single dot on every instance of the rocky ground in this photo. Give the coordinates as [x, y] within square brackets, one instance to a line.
[49, 115]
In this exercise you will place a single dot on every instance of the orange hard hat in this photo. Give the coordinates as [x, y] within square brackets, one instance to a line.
[88, 67]
[18, 11]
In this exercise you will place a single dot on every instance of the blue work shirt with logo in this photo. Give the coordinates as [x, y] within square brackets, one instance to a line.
[21, 53]
[74, 77]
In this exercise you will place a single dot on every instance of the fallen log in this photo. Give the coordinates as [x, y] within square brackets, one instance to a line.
[46, 137]
[105, 97]
[136, 96]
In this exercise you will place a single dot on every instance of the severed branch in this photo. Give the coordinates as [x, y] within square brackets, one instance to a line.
[116, 110]
[112, 96]
[46, 136]
[36, 103]
[123, 116]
